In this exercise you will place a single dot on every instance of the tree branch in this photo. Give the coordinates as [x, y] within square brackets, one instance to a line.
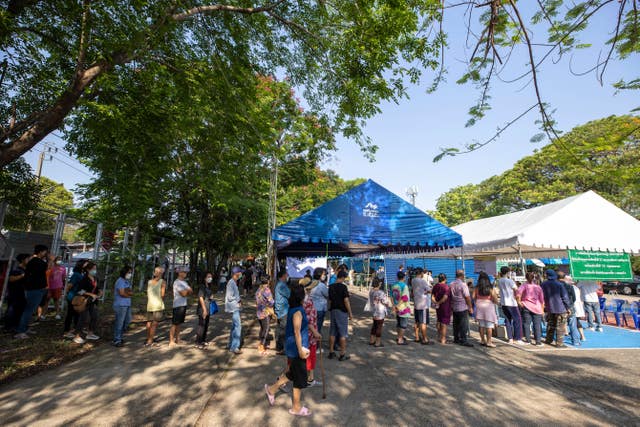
[615, 40]
[547, 124]
[201, 10]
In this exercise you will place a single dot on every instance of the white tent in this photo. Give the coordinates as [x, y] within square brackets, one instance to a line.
[585, 222]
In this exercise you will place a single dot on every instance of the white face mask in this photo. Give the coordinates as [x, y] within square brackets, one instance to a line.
[127, 276]
[209, 279]
[59, 262]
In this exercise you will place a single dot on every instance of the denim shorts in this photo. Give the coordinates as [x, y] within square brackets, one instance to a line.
[339, 324]
[402, 322]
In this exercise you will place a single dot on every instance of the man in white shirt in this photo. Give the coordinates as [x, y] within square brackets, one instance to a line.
[589, 292]
[513, 320]
[180, 292]
[421, 296]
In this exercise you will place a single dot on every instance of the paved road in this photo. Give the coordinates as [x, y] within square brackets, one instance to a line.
[132, 385]
[413, 385]
[440, 385]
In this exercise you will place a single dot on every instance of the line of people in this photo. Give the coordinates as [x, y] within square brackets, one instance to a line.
[557, 299]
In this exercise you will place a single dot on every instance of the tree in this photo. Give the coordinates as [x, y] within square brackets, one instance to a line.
[17, 189]
[349, 56]
[200, 175]
[605, 157]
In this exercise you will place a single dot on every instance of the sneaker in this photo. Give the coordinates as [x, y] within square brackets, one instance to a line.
[314, 383]
[344, 357]
[58, 317]
[583, 339]
[591, 328]
[540, 344]
[43, 317]
[93, 337]
[21, 336]
[332, 355]
[561, 345]
[599, 330]
[520, 342]
[69, 335]
[78, 340]
[31, 332]
[117, 343]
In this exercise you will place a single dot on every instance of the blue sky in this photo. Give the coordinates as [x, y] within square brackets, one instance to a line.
[410, 134]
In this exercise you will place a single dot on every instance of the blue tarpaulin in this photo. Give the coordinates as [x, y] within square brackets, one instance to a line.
[367, 218]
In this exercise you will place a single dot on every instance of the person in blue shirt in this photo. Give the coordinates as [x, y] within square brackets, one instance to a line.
[297, 351]
[122, 305]
[557, 305]
[282, 293]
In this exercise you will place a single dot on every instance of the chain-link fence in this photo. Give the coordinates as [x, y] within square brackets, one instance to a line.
[75, 240]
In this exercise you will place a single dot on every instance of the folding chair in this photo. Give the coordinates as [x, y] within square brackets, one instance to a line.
[603, 309]
[619, 313]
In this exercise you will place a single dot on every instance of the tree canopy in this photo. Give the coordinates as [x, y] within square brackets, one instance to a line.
[346, 57]
[604, 157]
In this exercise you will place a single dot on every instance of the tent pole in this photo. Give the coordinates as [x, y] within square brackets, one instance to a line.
[520, 260]
[462, 258]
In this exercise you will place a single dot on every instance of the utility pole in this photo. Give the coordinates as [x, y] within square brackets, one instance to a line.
[46, 149]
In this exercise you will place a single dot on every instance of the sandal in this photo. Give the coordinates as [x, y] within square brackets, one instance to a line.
[426, 342]
[403, 342]
[303, 412]
[490, 345]
[378, 345]
[271, 397]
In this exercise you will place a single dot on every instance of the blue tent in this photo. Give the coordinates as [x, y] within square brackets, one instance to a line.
[368, 218]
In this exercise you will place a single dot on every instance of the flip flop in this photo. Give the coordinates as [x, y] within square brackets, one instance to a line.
[402, 343]
[490, 345]
[304, 412]
[271, 397]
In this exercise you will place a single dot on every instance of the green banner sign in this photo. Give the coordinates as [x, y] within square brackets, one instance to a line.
[587, 265]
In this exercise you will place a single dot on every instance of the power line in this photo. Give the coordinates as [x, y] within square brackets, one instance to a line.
[72, 166]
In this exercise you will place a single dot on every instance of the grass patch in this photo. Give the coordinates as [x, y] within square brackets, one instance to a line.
[47, 349]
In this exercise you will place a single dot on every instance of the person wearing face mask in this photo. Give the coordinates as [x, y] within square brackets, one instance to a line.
[122, 305]
[56, 278]
[88, 287]
[35, 287]
[205, 295]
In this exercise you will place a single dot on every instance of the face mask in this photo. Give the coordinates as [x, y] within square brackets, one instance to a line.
[59, 262]
[93, 272]
[209, 279]
[127, 276]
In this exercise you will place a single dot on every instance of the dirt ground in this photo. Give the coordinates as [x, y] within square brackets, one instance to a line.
[394, 385]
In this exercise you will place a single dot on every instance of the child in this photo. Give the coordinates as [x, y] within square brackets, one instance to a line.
[379, 303]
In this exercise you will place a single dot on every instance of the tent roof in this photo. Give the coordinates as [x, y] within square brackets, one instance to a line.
[367, 218]
[585, 222]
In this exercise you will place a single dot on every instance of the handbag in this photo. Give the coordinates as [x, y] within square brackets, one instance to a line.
[79, 303]
[269, 311]
[213, 307]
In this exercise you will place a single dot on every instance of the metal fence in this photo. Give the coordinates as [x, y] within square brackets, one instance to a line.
[77, 239]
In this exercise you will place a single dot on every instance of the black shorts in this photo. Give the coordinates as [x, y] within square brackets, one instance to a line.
[297, 372]
[421, 316]
[179, 314]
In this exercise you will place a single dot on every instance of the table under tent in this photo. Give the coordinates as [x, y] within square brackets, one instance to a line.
[364, 222]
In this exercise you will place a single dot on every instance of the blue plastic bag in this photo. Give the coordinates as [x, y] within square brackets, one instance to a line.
[213, 307]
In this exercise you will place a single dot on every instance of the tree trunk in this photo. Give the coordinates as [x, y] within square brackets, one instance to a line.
[51, 118]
